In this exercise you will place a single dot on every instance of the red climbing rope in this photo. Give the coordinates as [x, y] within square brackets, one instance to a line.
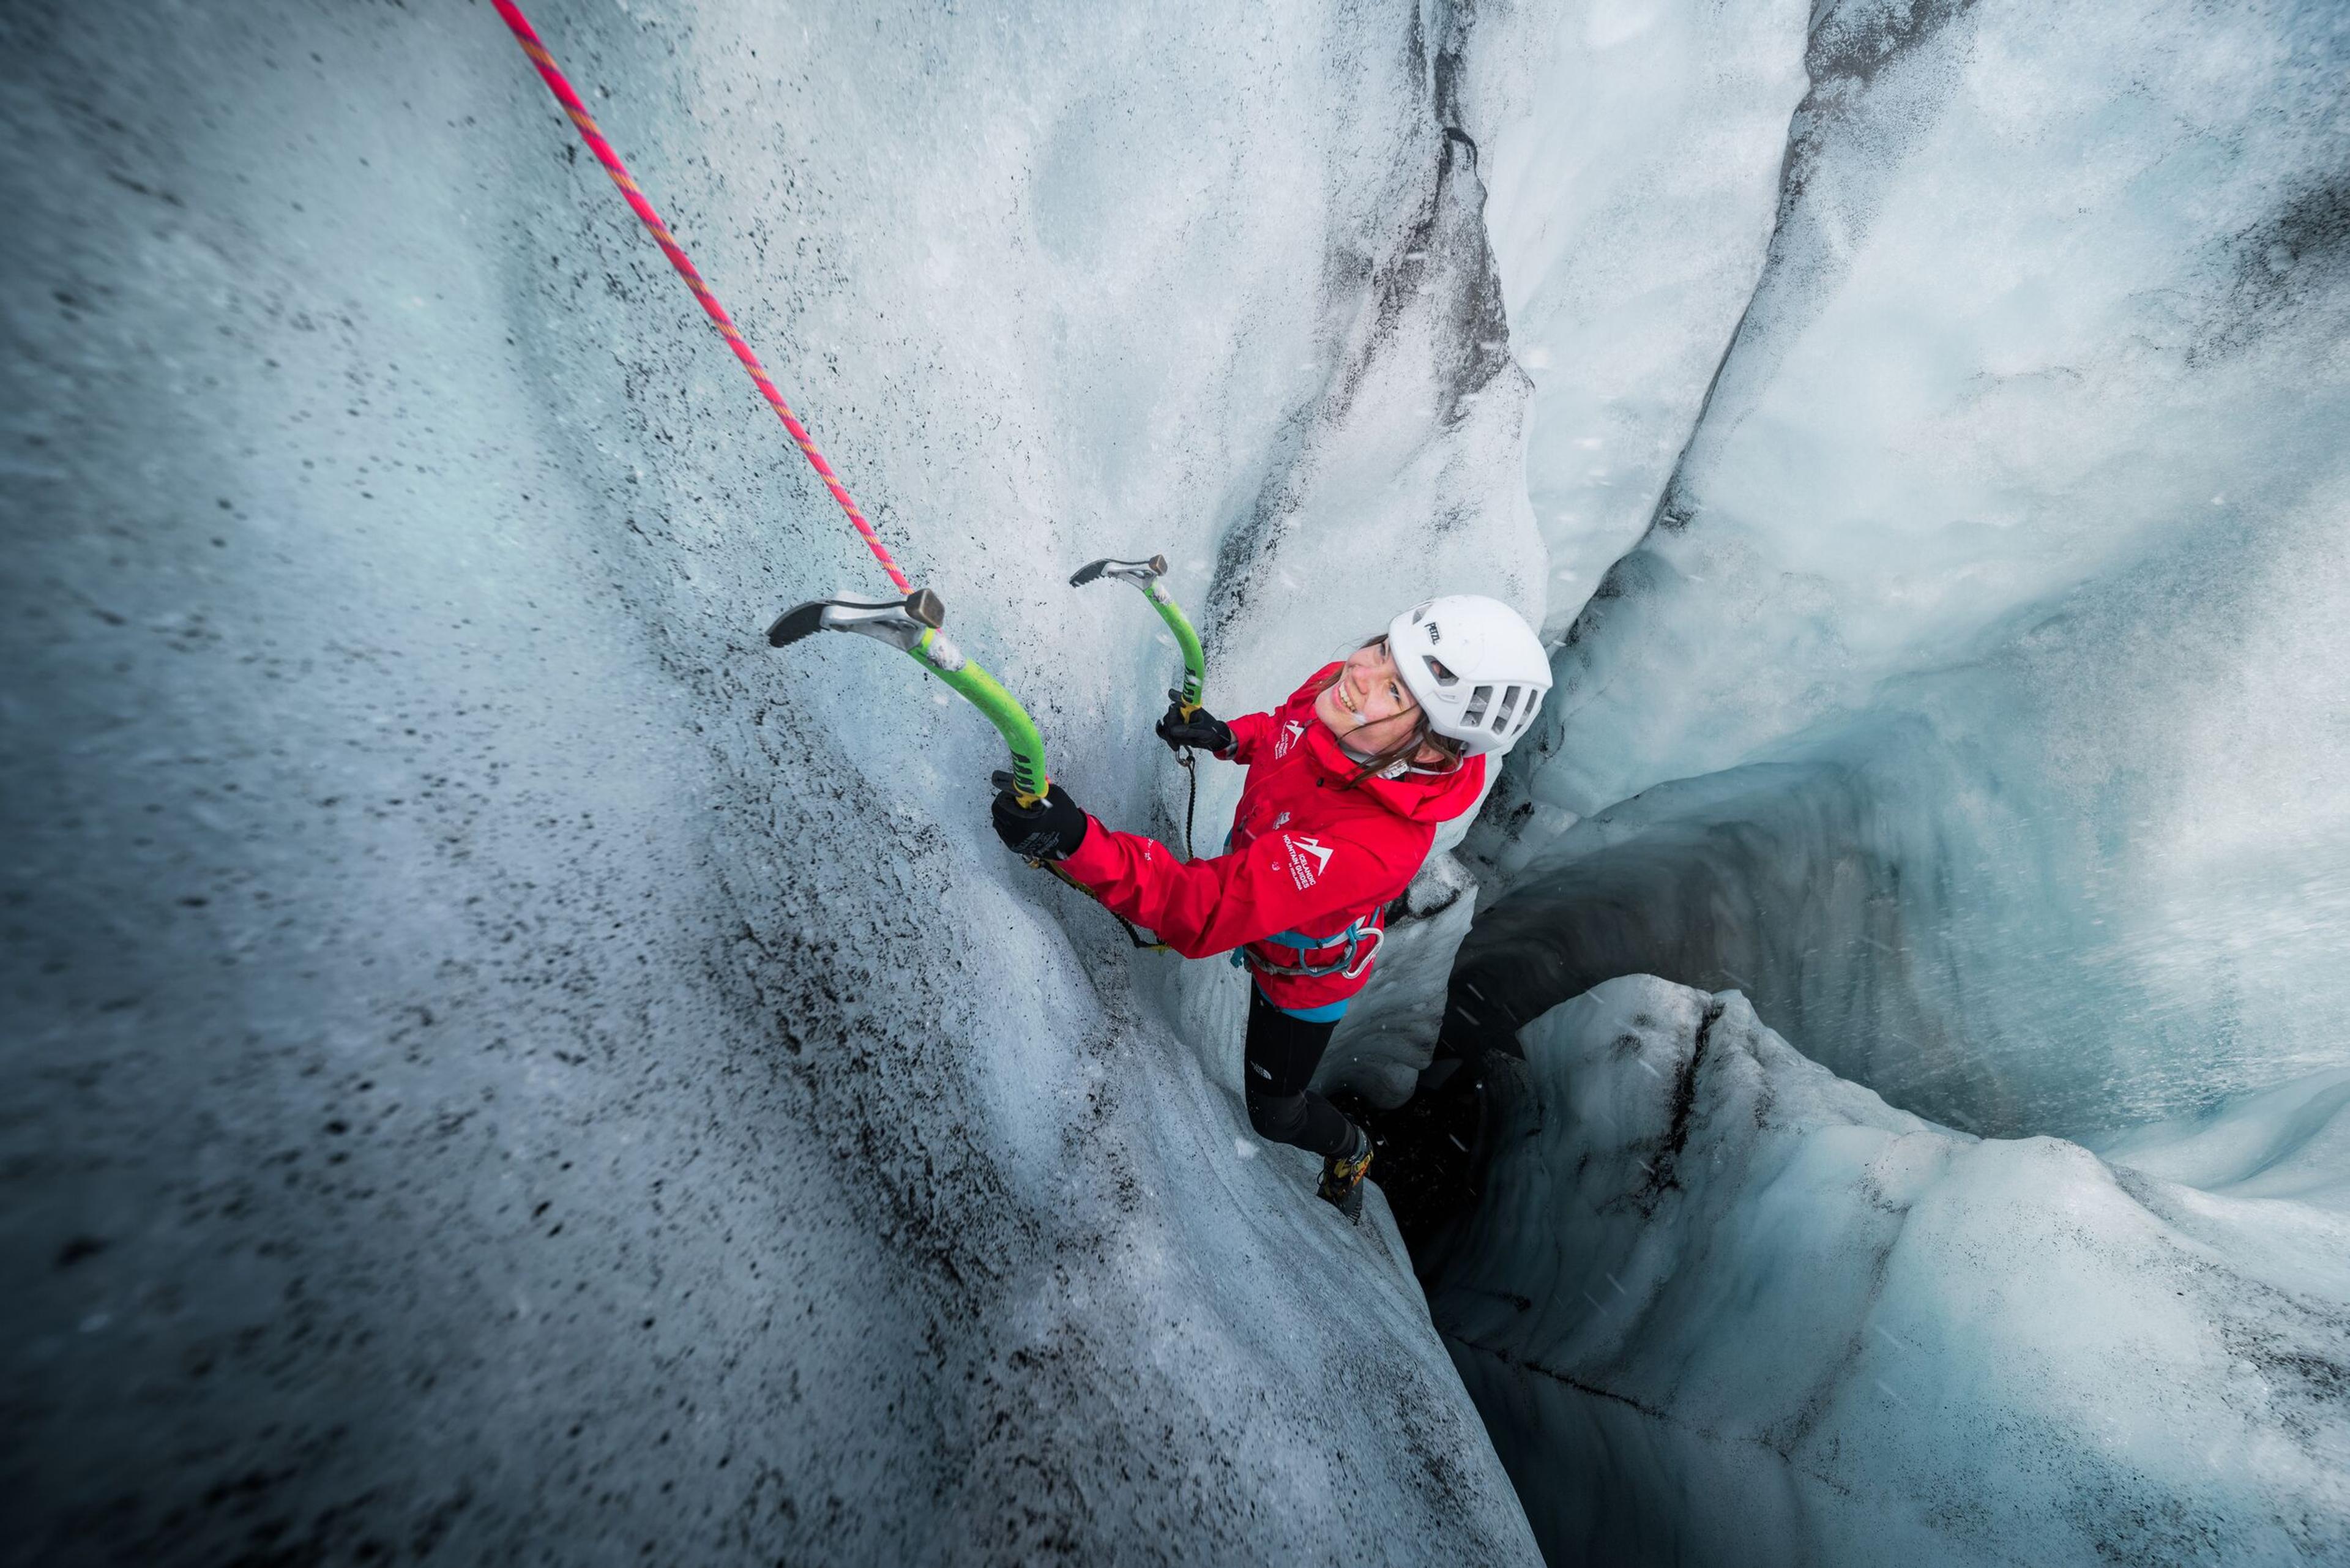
[527, 36]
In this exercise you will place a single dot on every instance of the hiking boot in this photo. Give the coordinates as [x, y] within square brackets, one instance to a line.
[1342, 1178]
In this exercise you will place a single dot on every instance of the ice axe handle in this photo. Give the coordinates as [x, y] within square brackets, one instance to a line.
[985, 692]
[1147, 576]
[1195, 663]
[1003, 780]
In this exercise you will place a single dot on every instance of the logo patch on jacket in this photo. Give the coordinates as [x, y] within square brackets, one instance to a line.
[1308, 860]
[1281, 747]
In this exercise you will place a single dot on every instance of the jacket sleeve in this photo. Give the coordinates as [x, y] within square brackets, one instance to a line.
[1206, 906]
[1252, 731]
[1249, 732]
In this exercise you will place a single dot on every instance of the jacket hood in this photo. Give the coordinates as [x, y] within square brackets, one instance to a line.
[1416, 797]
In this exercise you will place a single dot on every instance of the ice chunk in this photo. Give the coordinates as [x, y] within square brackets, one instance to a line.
[2090, 880]
[1723, 1306]
[2010, 337]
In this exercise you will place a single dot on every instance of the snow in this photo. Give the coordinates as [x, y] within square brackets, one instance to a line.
[1723, 1306]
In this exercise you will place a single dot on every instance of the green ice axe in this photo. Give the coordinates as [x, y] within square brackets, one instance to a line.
[1145, 575]
[912, 625]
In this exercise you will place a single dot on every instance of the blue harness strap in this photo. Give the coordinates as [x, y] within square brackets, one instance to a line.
[1329, 1012]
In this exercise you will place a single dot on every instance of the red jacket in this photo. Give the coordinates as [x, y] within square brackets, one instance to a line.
[1305, 856]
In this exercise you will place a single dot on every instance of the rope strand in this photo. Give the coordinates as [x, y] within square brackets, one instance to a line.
[527, 36]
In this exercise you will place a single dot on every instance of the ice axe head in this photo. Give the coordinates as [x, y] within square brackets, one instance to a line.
[1141, 573]
[901, 623]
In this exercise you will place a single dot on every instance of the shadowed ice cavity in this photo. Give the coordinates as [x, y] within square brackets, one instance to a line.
[503, 1066]
[1969, 901]
[1722, 1306]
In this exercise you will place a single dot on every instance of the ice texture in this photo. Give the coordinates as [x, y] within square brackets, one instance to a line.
[1973, 699]
[1721, 1306]
[1970, 702]
[500, 1064]
[1633, 150]
[503, 1065]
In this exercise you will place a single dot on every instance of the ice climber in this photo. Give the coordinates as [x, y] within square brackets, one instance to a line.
[1347, 780]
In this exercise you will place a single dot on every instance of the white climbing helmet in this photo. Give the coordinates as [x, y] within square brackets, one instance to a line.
[1476, 667]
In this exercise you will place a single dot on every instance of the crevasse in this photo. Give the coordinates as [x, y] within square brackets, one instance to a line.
[1964, 711]
[503, 1066]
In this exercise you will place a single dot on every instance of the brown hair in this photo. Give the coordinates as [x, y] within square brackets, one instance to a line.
[1421, 736]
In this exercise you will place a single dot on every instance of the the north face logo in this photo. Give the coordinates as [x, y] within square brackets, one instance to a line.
[1308, 860]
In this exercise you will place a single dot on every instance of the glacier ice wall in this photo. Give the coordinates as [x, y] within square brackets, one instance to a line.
[1722, 1306]
[500, 1064]
[1633, 151]
[1970, 702]
[1972, 699]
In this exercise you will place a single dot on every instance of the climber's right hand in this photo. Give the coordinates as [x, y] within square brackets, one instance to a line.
[1202, 730]
[1046, 830]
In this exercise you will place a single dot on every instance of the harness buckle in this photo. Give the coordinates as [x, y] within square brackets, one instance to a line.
[1362, 939]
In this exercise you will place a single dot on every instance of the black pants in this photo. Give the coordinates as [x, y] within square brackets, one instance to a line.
[1283, 1053]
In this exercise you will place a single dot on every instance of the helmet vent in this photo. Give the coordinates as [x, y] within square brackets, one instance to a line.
[1480, 686]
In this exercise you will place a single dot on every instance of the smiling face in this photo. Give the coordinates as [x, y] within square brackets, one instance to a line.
[1368, 707]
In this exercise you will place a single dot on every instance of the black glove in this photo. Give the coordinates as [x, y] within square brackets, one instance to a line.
[1202, 730]
[1047, 830]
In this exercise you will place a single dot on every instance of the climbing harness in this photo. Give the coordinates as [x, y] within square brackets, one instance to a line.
[1362, 939]
[912, 624]
[1146, 575]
